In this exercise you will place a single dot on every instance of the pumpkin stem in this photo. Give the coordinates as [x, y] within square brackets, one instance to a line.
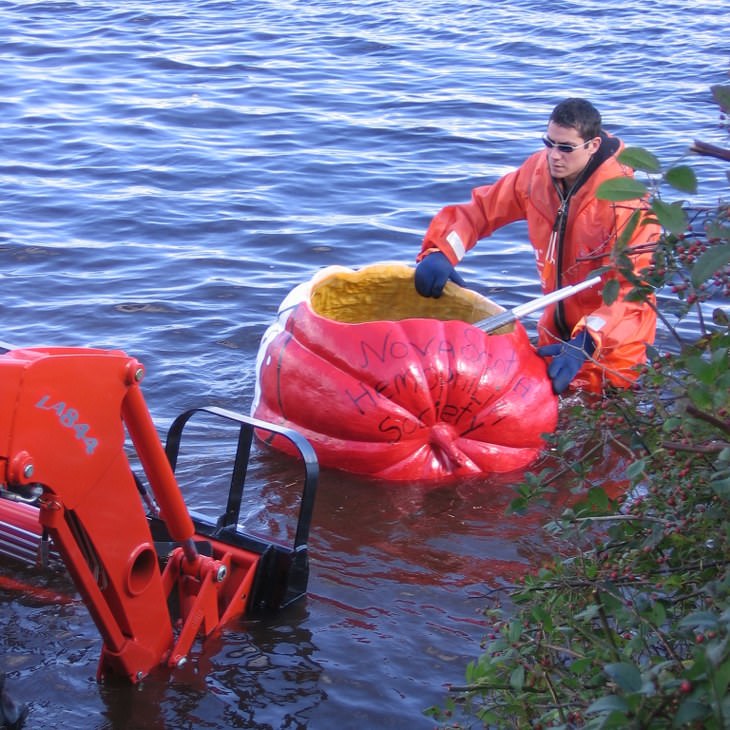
[442, 438]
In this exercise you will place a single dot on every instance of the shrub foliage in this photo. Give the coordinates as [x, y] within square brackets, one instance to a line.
[630, 626]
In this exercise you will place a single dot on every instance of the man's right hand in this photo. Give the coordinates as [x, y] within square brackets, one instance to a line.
[433, 272]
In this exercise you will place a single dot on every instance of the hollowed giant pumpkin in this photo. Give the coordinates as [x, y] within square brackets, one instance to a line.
[387, 383]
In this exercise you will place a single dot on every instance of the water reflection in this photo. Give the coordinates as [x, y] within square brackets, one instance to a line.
[252, 675]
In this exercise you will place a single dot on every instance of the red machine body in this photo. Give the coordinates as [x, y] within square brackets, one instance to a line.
[65, 417]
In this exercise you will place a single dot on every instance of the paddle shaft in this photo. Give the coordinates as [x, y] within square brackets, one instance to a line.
[490, 324]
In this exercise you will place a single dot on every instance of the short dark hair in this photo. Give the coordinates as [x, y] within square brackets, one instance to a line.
[579, 114]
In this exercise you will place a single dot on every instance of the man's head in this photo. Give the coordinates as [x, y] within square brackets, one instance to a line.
[573, 137]
[579, 114]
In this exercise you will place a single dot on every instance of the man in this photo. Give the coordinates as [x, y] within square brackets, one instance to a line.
[573, 233]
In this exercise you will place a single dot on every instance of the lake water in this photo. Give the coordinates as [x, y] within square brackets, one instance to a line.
[170, 171]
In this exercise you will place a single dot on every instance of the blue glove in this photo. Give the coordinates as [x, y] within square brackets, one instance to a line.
[433, 272]
[567, 359]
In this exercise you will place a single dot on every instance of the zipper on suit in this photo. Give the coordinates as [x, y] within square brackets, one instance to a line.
[556, 240]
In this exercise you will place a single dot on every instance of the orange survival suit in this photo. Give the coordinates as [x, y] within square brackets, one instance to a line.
[573, 234]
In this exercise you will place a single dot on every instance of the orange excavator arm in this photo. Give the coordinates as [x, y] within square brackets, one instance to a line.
[65, 417]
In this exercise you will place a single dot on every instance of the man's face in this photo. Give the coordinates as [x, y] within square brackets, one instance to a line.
[566, 165]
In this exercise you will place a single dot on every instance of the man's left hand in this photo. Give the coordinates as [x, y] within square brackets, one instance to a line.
[567, 359]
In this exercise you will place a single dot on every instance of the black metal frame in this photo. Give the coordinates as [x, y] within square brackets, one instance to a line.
[283, 571]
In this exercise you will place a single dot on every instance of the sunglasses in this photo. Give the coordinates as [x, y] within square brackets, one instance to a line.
[562, 147]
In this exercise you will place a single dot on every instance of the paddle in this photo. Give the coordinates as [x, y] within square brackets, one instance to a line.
[490, 324]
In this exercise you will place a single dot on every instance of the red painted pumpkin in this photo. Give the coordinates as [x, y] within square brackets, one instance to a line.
[387, 383]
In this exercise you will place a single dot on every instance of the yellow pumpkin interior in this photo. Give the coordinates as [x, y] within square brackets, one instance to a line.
[387, 292]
